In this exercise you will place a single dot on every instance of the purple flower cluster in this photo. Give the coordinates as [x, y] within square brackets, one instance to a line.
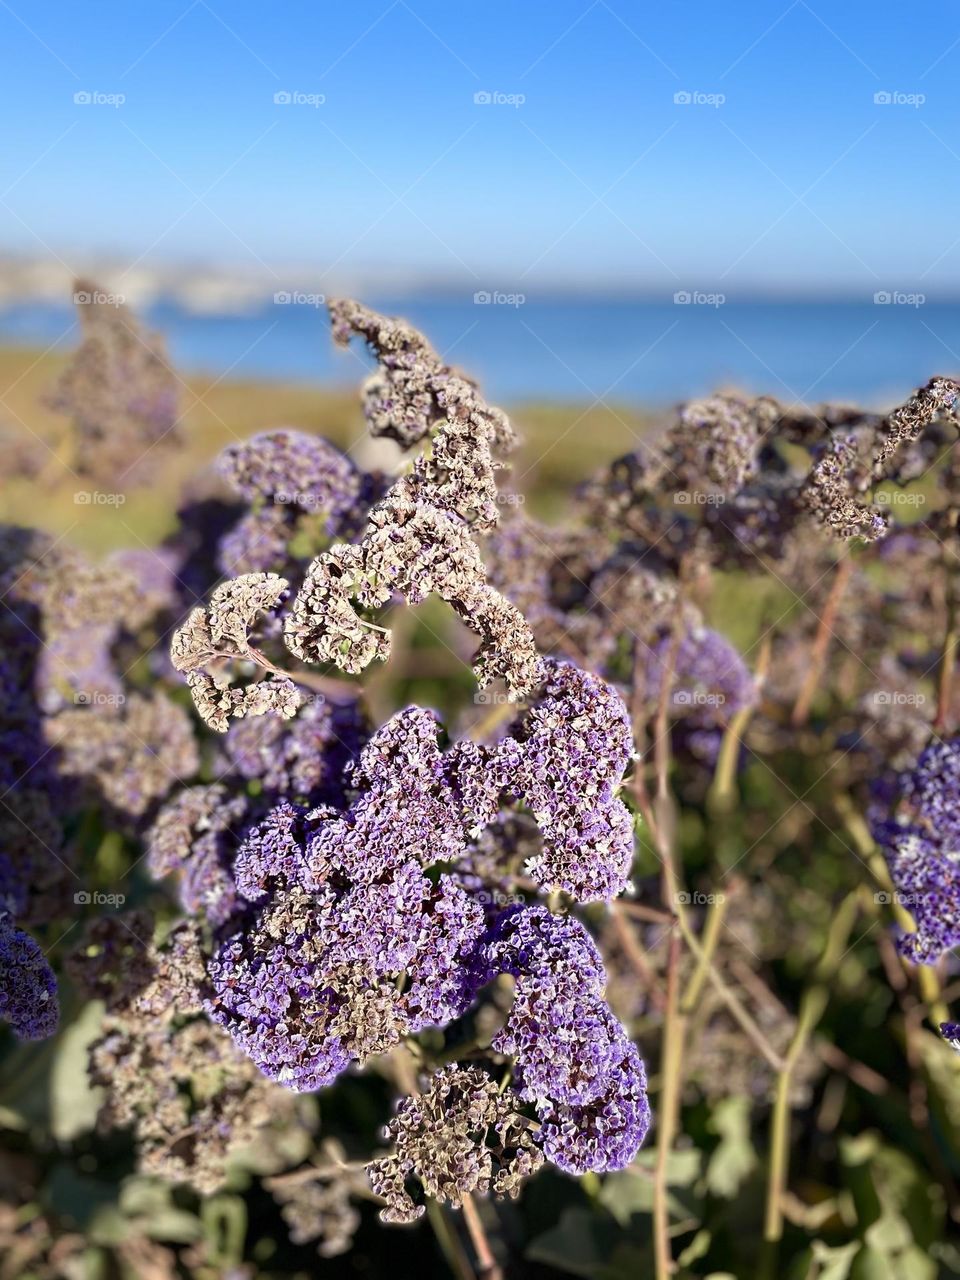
[352, 945]
[304, 758]
[406, 810]
[574, 1061]
[710, 683]
[119, 392]
[286, 475]
[345, 925]
[205, 833]
[314, 980]
[710, 678]
[921, 843]
[932, 789]
[564, 762]
[28, 989]
[195, 837]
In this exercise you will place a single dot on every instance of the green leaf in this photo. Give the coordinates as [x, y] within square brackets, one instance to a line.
[833, 1263]
[911, 1265]
[581, 1244]
[734, 1159]
[900, 1210]
[74, 1102]
[696, 1249]
[631, 1191]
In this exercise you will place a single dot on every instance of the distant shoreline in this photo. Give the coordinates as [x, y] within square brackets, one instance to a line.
[651, 353]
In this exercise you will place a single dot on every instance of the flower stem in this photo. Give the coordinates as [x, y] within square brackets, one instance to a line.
[812, 1006]
[671, 1062]
[487, 1266]
[948, 654]
[711, 936]
[448, 1241]
[722, 797]
[730, 998]
[821, 643]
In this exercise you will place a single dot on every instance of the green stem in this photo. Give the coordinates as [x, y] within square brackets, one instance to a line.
[722, 796]
[812, 1006]
[729, 997]
[449, 1242]
[711, 936]
[671, 1067]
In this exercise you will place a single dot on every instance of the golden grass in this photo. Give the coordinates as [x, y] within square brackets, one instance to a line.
[562, 444]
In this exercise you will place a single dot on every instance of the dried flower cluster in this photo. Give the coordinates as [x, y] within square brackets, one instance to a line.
[220, 634]
[118, 390]
[419, 538]
[462, 1136]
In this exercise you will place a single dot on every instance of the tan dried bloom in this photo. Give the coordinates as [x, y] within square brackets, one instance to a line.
[220, 633]
[419, 539]
[462, 1136]
[908, 421]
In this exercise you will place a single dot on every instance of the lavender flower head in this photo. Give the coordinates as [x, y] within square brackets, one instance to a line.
[574, 1061]
[28, 989]
[305, 757]
[575, 745]
[287, 476]
[921, 843]
[118, 390]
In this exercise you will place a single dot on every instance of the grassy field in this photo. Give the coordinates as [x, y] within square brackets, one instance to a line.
[562, 444]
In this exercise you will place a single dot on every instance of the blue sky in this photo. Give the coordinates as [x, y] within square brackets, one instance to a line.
[782, 173]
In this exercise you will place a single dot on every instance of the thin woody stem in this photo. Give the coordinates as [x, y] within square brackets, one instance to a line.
[668, 1110]
[330, 686]
[948, 655]
[487, 1266]
[821, 643]
[731, 999]
[711, 936]
[722, 795]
